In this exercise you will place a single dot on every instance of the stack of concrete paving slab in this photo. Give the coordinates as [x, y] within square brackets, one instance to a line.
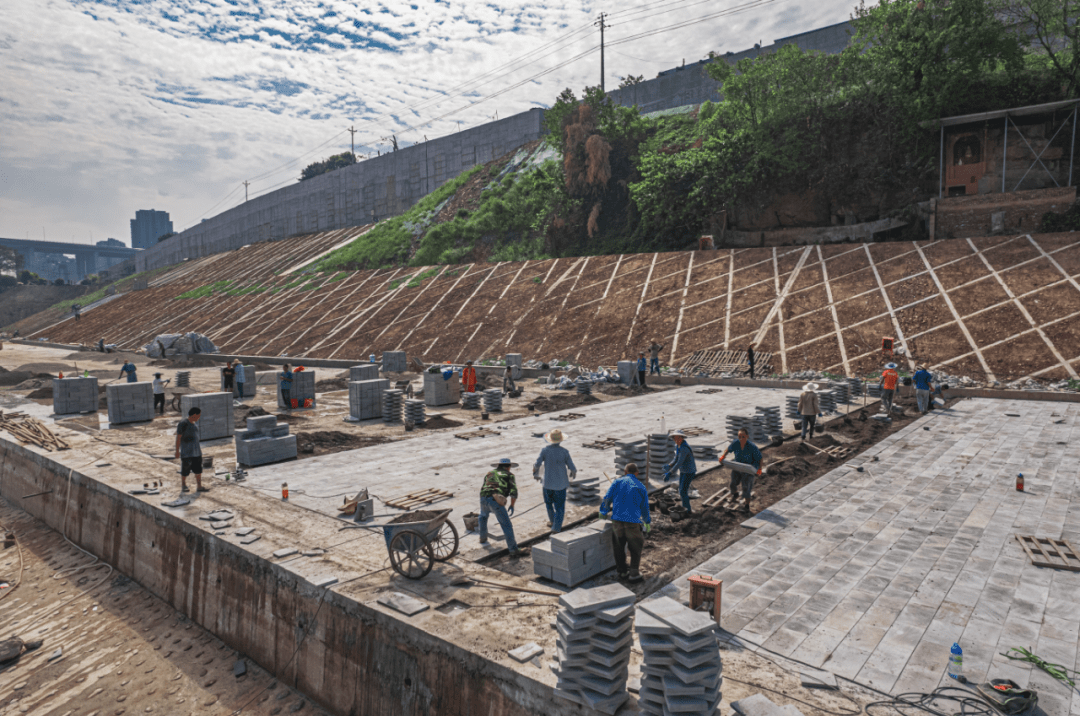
[792, 402]
[183, 379]
[874, 390]
[681, 672]
[660, 447]
[841, 391]
[365, 398]
[493, 400]
[583, 386]
[264, 441]
[704, 454]
[303, 389]
[365, 371]
[514, 361]
[392, 404]
[573, 556]
[75, 395]
[593, 646]
[753, 425]
[249, 383]
[855, 387]
[627, 371]
[130, 402]
[628, 451]
[440, 391]
[216, 420]
[584, 490]
[471, 401]
[415, 412]
[770, 419]
[394, 362]
[826, 401]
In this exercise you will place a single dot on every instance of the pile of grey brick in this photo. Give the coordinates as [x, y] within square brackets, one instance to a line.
[365, 398]
[493, 400]
[681, 671]
[303, 388]
[583, 386]
[394, 362]
[471, 401]
[659, 447]
[438, 391]
[571, 557]
[704, 454]
[415, 412]
[792, 402]
[770, 418]
[584, 490]
[841, 391]
[754, 426]
[826, 401]
[216, 420]
[130, 402]
[629, 451]
[75, 395]
[593, 646]
[367, 371]
[249, 383]
[264, 441]
[514, 361]
[392, 406]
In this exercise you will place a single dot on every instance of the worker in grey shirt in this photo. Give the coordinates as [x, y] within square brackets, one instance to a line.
[556, 461]
[189, 451]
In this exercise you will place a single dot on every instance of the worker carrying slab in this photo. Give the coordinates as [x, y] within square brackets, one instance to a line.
[746, 453]
[683, 461]
[557, 463]
[468, 377]
[888, 387]
[499, 486]
[626, 504]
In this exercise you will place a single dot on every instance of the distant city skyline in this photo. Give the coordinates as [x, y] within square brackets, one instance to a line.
[148, 226]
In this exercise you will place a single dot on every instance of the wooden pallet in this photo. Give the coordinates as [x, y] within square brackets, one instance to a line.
[478, 433]
[840, 452]
[713, 363]
[695, 432]
[418, 499]
[1053, 553]
[716, 499]
[567, 416]
[601, 444]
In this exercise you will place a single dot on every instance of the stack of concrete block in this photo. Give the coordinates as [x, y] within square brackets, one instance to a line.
[681, 672]
[514, 361]
[415, 412]
[704, 455]
[660, 447]
[583, 386]
[394, 362]
[753, 425]
[770, 418]
[130, 402]
[75, 395]
[855, 387]
[826, 401]
[874, 390]
[183, 379]
[792, 402]
[249, 383]
[303, 389]
[471, 401]
[392, 405]
[571, 557]
[584, 490]
[264, 441]
[841, 390]
[627, 371]
[493, 400]
[367, 371]
[630, 451]
[365, 398]
[593, 646]
[439, 391]
[216, 420]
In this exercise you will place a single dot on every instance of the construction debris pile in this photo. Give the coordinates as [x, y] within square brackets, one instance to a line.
[26, 430]
[168, 345]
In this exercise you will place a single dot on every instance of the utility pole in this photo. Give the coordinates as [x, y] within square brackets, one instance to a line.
[352, 140]
[245, 190]
[601, 24]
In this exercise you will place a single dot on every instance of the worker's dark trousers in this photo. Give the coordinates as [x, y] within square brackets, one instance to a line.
[886, 400]
[227, 388]
[286, 397]
[159, 403]
[623, 535]
[641, 377]
[654, 366]
[808, 421]
[747, 482]
[751, 371]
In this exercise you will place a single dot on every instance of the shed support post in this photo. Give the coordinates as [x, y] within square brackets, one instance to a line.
[1004, 152]
[941, 164]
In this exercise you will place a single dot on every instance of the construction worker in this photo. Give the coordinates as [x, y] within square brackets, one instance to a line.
[557, 462]
[746, 453]
[188, 450]
[240, 379]
[750, 359]
[500, 486]
[228, 373]
[468, 377]
[285, 378]
[923, 384]
[654, 357]
[509, 386]
[77, 310]
[888, 387]
[683, 461]
[808, 408]
[626, 504]
[159, 393]
[128, 369]
[641, 367]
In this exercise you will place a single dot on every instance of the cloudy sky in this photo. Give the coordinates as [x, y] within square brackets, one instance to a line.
[108, 106]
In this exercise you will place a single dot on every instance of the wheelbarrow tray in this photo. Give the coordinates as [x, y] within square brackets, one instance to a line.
[429, 528]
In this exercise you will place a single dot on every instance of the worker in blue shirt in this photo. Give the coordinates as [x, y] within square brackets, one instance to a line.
[683, 461]
[557, 463]
[626, 504]
[746, 453]
[922, 380]
[642, 366]
[129, 369]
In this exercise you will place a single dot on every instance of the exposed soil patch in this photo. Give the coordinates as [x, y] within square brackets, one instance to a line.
[560, 401]
[440, 422]
[23, 379]
[330, 441]
[331, 384]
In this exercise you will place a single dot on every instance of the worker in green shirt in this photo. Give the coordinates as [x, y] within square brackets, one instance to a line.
[499, 487]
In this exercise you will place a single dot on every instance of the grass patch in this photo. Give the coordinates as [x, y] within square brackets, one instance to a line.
[339, 276]
[206, 291]
[421, 277]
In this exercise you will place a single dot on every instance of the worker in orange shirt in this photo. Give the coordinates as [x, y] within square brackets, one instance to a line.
[468, 377]
[889, 379]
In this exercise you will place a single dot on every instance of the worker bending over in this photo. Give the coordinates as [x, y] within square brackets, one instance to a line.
[128, 369]
[557, 462]
[747, 453]
[500, 486]
[626, 504]
[683, 461]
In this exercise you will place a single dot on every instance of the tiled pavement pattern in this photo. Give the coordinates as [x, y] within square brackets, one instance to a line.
[874, 575]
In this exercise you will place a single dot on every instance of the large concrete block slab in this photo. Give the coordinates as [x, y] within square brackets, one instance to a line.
[216, 419]
[394, 362]
[75, 395]
[130, 402]
[365, 371]
[303, 389]
[365, 398]
[438, 391]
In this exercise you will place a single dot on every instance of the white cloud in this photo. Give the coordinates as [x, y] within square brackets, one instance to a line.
[107, 107]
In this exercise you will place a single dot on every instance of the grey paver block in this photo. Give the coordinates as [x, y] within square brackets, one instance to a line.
[585, 601]
[526, 651]
[683, 619]
[402, 603]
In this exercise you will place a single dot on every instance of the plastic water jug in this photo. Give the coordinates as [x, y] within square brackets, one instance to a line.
[956, 661]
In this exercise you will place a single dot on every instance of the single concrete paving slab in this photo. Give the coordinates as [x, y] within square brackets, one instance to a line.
[873, 575]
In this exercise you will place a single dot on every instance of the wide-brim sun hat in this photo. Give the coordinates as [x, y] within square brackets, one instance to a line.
[891, 366]
[555, 436]
[505, 462]
[811, 386]
[678, 433]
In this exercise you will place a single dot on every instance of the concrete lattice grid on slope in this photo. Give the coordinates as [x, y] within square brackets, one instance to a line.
[994, 307]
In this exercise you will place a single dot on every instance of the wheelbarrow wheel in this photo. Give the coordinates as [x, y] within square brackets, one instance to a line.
[411, 554]
[445, 543]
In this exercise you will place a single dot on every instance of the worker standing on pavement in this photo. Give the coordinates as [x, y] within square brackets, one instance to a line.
[159, 393]
[468, 377]
[286, 380]
[683, 461]
[747, 453]
[228, 374]
[888, 387]
[750, 359]
[240, 379]
[641, 367]
[557, 463]
[188, 450]
[500, 486]
[128, 369]
[627, 505]
[923, 380]
[808, 408]
[654, 358]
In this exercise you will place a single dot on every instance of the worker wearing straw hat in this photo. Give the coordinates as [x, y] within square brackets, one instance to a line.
[683, 461]
[809, 408]
[499, 487]
[557, 464]
[888, 382]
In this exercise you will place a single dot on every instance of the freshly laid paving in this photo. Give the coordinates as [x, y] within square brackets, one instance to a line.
[873, 575]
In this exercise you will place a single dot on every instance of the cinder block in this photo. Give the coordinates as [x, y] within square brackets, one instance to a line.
[365, 398]
[438, 391]
[394, 362]
[130, 402]
[366, 371]
[216, 420]
[75, 395]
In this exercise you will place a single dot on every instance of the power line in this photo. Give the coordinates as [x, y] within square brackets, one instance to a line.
[730, 11]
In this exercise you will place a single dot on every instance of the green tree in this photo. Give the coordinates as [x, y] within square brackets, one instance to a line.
[165, 236]
[631, 80]
[9, 260]
[1052, 31]
[337, 161]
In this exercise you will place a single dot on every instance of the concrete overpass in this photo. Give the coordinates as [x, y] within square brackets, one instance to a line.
[48, 258]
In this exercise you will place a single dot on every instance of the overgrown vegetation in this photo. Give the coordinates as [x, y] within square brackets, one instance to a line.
[329, 164]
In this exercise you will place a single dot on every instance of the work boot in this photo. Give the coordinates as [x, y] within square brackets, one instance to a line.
[520, 552]
[483, 540]
[635, 577]
[623, 575]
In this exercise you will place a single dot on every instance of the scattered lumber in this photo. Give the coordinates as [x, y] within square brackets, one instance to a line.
[417, 499]
[26, 430]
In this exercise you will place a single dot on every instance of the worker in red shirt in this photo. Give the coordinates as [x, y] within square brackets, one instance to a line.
[889, 379]
[468, 377]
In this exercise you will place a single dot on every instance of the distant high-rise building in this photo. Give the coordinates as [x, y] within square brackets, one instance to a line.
[111, 242]
[148, 226]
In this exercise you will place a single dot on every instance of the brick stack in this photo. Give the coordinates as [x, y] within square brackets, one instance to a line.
[571, 557]
[303, 388]
[265, 441]
[627, 371]
[493, 400]
[75, 395]
[681, 672]
[660, 447]
[365, 398]
[216, 420]
[394, 362]
[770, 417]
[392, 406]
[471, 401]
[438, 391]
[842, 391]
[629, 451]
[583, 386]
[792, 402]
[367, 371]
[415, 412]
[593, 646]
[826, 401]
[754, 426]
[130, 402]
[584, 491]
[514, 361]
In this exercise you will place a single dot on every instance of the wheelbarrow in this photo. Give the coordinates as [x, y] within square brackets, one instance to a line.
[415, 546]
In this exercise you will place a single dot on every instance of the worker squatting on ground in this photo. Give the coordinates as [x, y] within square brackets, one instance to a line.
[500, 486]
[683, 461]
[468, 377]
[888, 387]
[188, 450]
[286, 380]
[641, 367]
[557, 462]
[627, 505]
[809, 407]
[747, 453]
[159, 393]
[923, 385]
[654, 358]
[128, 369]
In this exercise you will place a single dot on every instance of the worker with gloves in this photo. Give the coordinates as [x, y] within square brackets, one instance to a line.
[746, 453]
[556, 461]
[626, 504]
[500, 486]
[468, 377]
[683, 461]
